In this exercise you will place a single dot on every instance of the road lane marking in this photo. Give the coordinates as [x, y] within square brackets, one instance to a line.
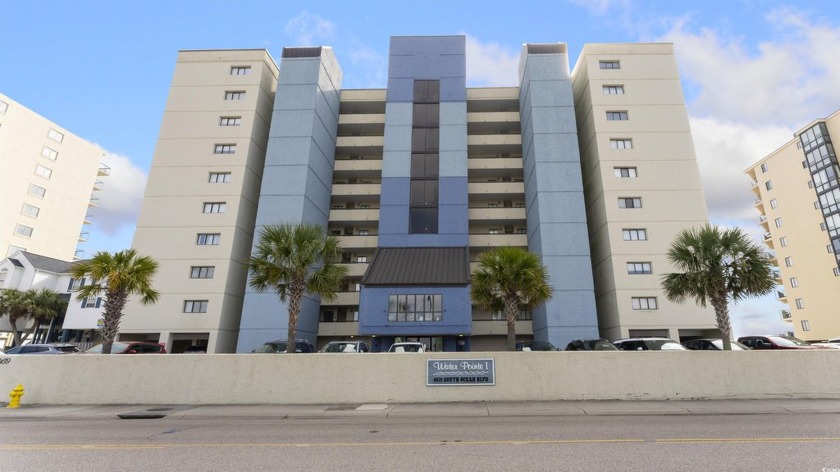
[736, 440]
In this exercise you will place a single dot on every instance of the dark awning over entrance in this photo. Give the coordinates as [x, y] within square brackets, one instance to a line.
[419, 266]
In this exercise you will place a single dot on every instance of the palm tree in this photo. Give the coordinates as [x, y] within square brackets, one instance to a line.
[506, 279]
[48, 305]
[718, 265]
[294, 259]
[120, 276]
[16, 304]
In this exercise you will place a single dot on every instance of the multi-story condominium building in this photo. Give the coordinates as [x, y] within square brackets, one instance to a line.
[418, 179]
[641, 183]
[49, 178]
[797, 190]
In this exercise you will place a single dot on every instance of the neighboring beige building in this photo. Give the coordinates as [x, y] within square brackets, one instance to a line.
[197, 218]
[642, 186]
[49, 177]
[797, 190]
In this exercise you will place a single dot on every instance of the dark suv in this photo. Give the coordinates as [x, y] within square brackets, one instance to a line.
[279, 347]
[535, 346]
[134, 347]
[590, 345]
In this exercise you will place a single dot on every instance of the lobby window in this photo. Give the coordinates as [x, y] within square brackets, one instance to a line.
[224, 149]
[214, 207]
[612, 90]
[208, 239]
[30, 210]
[630, 202]
[411, 307]
[784, 241]
[23, 230]
[625, 172]
[639, 268]
[202, 272]
[794, 282]
[800, 303]
[634, 234]
[42, 171]
[621, 143]
[788, 261]
[3, 107]
[219, 177]
[195, 306]
[644, 303]
[37, 191]
[617, 116]
[235, 95]
[240, 70]
[230, 120]
[778, 222]
[764, 167]
[805, 325]
[49, 153]
[774, 204]
[609, 64]
[55, 135]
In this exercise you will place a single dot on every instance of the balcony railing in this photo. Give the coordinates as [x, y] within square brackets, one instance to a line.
[83, 236]
[780, 295]
[103, 170]
[767, 236]
[97, 185]
[785, 315]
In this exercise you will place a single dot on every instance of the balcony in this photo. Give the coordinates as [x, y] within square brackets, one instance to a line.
[496, 189]
[357, 168]
[94, 202]
[356, 269]
[83, 236]
[359, 145]
[781, 296]
[343, 298]
[786, 316]
[484, 327]
[103, 170]
[88, 220]
[79, 255]
[353, 215]
[483, 123]
[359, 242]
[496, 240]
[497, 215]
[338, 329]
[97, 185]
[491, 144]
[777, 275]
[350, 190]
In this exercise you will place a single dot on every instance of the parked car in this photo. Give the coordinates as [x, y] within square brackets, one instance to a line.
[407, 347]
[130, 347]
[346, 347]
[195, 349]
[44, 349]
[826, 345]
[535, 346]
[598, 344]
[775, 342]
[279, 347]
[648, 344]
[712, 344]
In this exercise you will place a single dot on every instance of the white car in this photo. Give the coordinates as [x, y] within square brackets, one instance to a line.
[407, 347]
[648, 344]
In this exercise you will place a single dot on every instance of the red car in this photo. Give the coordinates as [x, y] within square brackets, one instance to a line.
[137, 347]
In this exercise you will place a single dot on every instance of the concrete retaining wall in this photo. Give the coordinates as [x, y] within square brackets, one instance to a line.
[401, 378]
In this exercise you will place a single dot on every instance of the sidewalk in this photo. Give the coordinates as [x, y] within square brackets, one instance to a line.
[418, 410]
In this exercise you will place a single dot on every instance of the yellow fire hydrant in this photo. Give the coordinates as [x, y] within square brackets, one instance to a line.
[14, 396]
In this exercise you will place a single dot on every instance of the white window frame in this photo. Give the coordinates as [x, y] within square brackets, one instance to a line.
[230, 121]
[800, 303]
[609, 65]
[644, 303]
[219, 177]
[23, 230]
[202, 272]
[30, 210]
[55, 135]
[806, 326]
[43, 171]
[39, 191]
[621, 143]
[618, 115]
[774, 204]
[628, 233]
[224, 148]
[208, 239]
[234, 95]
[639, 268]
[788, 261]
[214, 207]
[49, 153]
[240, 70]
[635, 202]
[612, 89]
[794, 282]
[195, 306]
[630, 171]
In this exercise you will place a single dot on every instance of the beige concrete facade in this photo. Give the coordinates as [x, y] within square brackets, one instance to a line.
[199, 208]
[635, 143]
[49, 178]
[795, 230]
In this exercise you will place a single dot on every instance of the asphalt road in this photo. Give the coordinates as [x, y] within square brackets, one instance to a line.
[753, 442]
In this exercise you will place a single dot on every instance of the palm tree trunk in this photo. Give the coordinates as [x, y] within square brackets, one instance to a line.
[511, 313]
[720, 303]
[32, 328]
[295, 297]
[15, 333]
[114, 304]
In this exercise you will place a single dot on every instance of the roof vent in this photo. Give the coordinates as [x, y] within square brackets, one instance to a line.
[302, 52]
[555, 48]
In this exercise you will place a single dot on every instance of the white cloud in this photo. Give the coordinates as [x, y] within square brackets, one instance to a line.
[307, 29]
[121, 195]
[491, 65]
[602, 6]
[373, 65]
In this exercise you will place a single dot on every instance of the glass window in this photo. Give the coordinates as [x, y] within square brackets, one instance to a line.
[425, 139]
[637, 268]
[774, 204]
[3, 107]
[625, 172]
[426, 115]
[42, 171]
[612, 90]
[644, 303]
[424, 192]
[240, 70]
[415, 307]
[219, 177]
[609, 64]
[55, 135]
[769, 185]
[30, 210]
[423, 220]
[800, 303]
[784, 241]
[424, 166]
[634, 234]
[195, 306]
[208, 239]
[794, 282]
[788, 261]
[778, 222]
[621, 143]
[202, 272]
[224, 148]
[23, 230]
[237, 95]
[37, 191]
[214, 207]
[806, 326]
[49, 153]
[617, 116]
[631, 202]
[230, 120]
[426, 91]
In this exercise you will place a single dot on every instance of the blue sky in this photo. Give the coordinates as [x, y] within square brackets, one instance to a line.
[754, 71]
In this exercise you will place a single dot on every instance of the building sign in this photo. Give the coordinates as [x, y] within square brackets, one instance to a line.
[460, 372]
